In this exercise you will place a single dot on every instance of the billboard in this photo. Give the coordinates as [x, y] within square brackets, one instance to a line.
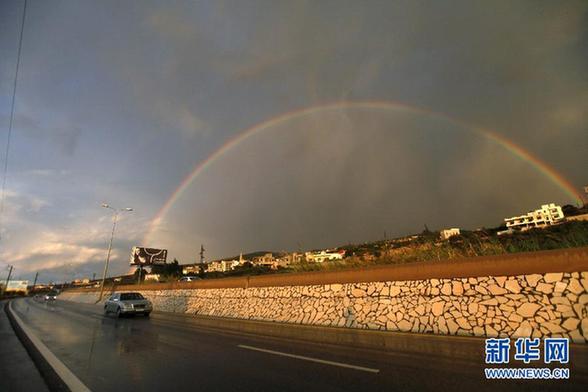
[148, 256]
[17, 286]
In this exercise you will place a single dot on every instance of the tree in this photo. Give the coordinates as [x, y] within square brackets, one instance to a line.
[172, 269]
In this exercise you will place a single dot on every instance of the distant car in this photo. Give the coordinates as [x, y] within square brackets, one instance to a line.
[188, 279]
[128, 303]
[50, 297]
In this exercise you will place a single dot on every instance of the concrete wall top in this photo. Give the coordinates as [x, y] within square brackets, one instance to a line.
[560, 260]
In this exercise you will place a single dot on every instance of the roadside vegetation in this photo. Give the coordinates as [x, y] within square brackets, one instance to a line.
[428, 247]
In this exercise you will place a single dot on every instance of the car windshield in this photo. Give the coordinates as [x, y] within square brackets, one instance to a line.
[130, 296]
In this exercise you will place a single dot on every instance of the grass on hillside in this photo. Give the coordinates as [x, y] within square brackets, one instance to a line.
[428, 247]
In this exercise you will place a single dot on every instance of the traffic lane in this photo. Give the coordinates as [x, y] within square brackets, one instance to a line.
[149, 360]
[457, 357]
[131, 343]
[111, 354]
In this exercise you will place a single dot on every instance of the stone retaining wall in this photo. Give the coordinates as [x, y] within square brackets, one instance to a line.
[537, 305]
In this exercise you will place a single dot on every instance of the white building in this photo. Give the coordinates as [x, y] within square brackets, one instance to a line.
[548, 215]
[445, 234]
[222, 265]
[152, 277]
[267, 260]
[319, 257]
[289, 259]
[17, 286]
[191, 269]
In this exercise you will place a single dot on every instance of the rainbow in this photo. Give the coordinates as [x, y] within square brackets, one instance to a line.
[553, 175]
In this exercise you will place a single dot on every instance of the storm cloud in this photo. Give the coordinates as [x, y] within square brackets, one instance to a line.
[117, 102]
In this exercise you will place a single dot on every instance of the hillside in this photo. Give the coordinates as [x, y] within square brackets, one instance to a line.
[427, 246]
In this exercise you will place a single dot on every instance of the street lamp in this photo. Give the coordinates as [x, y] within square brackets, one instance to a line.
[114, 220]
[9, 267]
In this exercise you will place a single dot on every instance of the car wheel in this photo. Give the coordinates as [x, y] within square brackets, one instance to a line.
[118, 314]
[105, 310]
[147, 314]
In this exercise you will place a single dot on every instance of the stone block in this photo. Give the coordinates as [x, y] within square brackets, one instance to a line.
[404, 325]
[437, 308]
[420, 310]
[358, 293]
[446, 289]
[394, 291]
[524, 330]
[545, 288]
[457, 288]
[452, 326]
[513, 286]
[571, 323]
[496, 290]
[490, 302]
[553, 277]
[533, 279]
[528, 309]
[575, 287]
[491, 332]
[560, 287]
[552, 327]
[463, 323]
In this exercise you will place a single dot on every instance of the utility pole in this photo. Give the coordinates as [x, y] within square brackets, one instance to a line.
[201, 266]
[140, 273]
[8, 277]
[35, 282]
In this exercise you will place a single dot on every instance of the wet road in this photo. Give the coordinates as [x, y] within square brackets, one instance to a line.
[167, 352]
[15, 361]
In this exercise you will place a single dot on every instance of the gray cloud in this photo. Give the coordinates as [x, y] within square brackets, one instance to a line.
[387, 171]
[120, 106]
[65, 137]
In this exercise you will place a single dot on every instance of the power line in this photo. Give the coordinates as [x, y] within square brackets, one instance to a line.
[3, 196]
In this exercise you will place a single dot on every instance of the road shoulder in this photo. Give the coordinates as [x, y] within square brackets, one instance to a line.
[17, 370]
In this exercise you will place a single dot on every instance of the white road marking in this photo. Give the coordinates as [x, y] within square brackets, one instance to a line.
[323, 361]
[62, 371]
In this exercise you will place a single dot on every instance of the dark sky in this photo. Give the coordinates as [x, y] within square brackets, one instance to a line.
[118, 101]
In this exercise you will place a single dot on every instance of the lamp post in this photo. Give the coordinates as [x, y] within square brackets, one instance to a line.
[114, 220]
[10, 267]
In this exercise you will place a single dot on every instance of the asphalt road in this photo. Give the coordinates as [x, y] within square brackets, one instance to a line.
[15, 361]
[167, 352]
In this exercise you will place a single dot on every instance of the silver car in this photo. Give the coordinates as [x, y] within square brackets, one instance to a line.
[51, 296]
[127, 303]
